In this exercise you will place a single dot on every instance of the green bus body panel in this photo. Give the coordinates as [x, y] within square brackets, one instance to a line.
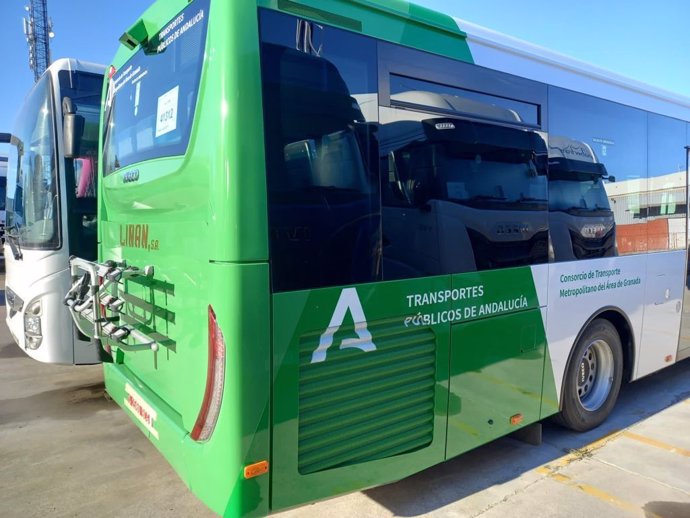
[203, 216]
[467, 351]
[169, 306]
[497, 357]
[223, 173]
[325, 440]
[497, 366]
[214, 470]
[395, 21]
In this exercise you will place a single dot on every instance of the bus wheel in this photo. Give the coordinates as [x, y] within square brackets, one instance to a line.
[593, 377]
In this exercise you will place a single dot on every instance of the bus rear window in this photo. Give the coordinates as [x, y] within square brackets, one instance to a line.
[152, 98]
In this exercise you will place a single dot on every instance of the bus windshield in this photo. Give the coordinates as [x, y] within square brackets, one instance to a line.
[32, 186]
[495, 174]
[578, 193]
[33, 206]
[479, 182]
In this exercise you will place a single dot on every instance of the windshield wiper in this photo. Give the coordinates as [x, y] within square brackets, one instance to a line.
[606, 209]
[578, 208]
[12, 236]
[530, 199]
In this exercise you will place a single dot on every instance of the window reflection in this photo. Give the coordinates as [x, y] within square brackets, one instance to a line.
[617, 137]
[33, 205]
[324, 200]
[666, 204]
[461, 196]
[444, 181]
[151, 99]
[581, 221]
[359, 193]
[414, 92]
[3, 184]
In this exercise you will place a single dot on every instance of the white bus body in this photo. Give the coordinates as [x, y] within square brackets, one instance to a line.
[51, 208]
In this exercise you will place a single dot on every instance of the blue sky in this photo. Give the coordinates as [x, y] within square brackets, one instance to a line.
[647, 41]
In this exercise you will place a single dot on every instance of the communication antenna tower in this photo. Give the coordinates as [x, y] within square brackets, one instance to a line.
[38, 29]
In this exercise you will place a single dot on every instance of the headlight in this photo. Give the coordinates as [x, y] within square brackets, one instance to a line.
[32, 325]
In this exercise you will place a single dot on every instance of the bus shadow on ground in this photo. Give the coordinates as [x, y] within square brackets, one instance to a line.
[669, 509]
[68, 403]
[11, 350]
[506, 459]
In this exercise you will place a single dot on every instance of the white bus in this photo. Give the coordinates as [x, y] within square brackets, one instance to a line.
[51, 208]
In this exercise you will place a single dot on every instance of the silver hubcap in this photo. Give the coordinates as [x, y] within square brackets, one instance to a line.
[595, 375]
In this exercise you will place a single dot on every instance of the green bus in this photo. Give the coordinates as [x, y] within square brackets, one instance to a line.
[341, 241]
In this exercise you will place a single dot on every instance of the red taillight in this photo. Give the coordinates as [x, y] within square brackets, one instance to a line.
[111, 71]
[215, 381]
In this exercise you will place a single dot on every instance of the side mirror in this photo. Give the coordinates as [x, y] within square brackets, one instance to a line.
[299, 162]
[394, 181]
[422, 193]
[610, 178]
[72, 129]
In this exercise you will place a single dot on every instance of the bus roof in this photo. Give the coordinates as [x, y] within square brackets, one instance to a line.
[445, 35]
[508, 54]
[76, 64]
[457, 38]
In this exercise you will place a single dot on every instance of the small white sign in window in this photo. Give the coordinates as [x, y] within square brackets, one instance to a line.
[166, 118]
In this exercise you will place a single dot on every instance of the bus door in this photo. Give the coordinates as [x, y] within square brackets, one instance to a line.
[666, 258]
[498, 346]
[684, 341]
[467, 198]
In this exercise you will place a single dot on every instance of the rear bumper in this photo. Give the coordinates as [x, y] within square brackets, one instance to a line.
[213, 470]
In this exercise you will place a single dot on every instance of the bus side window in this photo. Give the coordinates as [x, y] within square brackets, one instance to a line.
[321, 158]
[460, 196]
[591, 141]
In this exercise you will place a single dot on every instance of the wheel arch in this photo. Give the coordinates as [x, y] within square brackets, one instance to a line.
[620, 321]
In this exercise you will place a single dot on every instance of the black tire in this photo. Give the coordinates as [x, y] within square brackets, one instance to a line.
[592, 378]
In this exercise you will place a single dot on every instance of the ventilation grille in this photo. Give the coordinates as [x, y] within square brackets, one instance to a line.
[359, 406]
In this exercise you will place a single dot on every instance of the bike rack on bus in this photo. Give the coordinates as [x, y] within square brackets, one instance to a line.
[89, 298]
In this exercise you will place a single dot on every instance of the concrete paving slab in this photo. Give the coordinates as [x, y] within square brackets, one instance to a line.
[624, 489]
[655, 464]
[553, 499]
[670, 428]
